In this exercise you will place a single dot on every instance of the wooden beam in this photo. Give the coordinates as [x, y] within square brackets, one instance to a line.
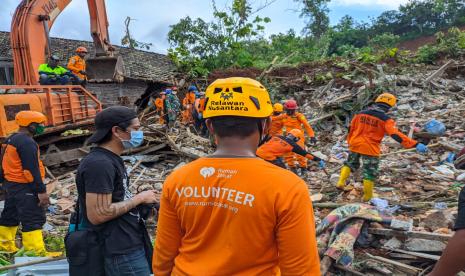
[404, 267]
[409, 234]
[416, 254]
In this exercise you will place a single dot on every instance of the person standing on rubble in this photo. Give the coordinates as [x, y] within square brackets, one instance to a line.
[277, 146]
[452, 260]
[296, 120]
[188, 105]
[208, 221]
[277, 118]
[366, 132]
[199, 121]
[107, 210]
[172, 108]
[22, 174]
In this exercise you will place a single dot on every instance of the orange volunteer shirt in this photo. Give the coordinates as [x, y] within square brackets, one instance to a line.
[235, 216]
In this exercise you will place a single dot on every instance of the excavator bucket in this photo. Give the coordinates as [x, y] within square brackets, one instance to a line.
[105, 68]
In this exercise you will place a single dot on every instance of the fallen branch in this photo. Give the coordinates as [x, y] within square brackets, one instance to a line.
[408, 150]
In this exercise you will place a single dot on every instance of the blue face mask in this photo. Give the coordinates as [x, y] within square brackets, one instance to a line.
[137, 138]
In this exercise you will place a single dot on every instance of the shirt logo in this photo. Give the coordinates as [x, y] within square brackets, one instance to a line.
[207, 172]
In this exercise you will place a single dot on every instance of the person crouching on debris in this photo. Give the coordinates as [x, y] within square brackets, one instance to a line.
[111, 218]
[273, 150]
[366, 132]
[232, 213]
[22, 174]
[188, 105]
[452, 260]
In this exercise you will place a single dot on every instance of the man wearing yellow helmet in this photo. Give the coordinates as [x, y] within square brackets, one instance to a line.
[367, 130]
[22, 174]
[277, 120]
[232, 213]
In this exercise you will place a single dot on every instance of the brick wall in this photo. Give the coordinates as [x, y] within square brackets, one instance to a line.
[108, 93]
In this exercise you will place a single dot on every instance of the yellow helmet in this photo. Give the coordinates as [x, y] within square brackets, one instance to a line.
[27, 117]
[387, 98]
[277, 107]
[242, 97]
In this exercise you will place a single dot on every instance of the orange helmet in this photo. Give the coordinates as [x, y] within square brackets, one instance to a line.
[27, 117]
[81, 50]
[297, 133]
[387, 98]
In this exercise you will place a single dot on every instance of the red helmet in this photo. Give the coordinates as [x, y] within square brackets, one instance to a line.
[291, 105]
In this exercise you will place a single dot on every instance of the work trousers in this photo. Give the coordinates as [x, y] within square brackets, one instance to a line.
[370, 165]
[54, 79]
[22, 206]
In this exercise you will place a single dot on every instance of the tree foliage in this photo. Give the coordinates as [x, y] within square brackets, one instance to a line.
[235, 37]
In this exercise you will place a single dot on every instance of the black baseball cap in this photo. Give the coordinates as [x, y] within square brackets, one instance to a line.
[109, 118]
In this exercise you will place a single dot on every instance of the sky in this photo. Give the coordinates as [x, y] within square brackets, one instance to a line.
[153, 17]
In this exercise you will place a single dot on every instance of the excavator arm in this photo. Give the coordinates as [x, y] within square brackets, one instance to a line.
[30, 40]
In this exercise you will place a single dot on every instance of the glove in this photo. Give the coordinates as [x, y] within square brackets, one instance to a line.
[421, 148]
[321, 164]
[313, 140]
[451, 157]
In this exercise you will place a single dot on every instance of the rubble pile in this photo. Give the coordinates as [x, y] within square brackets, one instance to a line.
[418, 192]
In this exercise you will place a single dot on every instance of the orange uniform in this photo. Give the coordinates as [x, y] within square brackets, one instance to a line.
[77, 64]
[21, 161]
[278, 146]
[188, 104]
[277, 124]
[235, 216]
[297, 121]
[368, 129]
[160, 108]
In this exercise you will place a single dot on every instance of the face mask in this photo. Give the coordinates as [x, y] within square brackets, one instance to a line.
[36, 129]
[40, 129]
[137, 138]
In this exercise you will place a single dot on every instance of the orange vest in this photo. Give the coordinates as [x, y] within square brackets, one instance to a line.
[276, 125]
[297, 121]
[76, 64]
[368, 129]
[235, 216]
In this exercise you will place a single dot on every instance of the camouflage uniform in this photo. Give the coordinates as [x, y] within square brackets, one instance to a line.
[370, 165]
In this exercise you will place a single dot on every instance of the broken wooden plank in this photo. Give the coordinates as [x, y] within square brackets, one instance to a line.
[409, 234]
[403, 267]
[349, 270]
[439, 72]
[416, 254]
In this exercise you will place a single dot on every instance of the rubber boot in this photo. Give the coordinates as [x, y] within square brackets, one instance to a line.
[345, 173]
[7, 239]
[368, 186]
[34, 241]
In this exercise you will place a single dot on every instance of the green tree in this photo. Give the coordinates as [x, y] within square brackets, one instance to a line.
[315, 12]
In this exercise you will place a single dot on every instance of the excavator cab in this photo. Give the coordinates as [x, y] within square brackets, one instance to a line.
[105, 68]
